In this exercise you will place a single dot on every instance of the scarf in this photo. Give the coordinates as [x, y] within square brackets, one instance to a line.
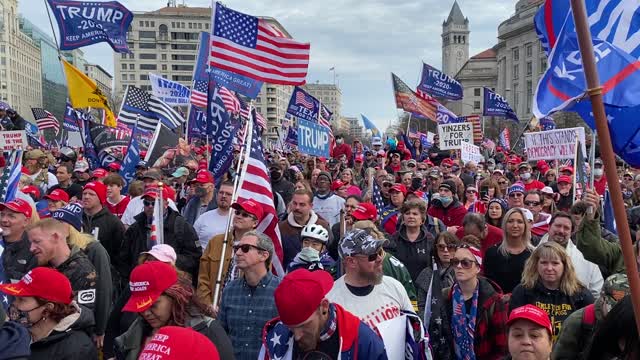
[331, 325]
[464, 325]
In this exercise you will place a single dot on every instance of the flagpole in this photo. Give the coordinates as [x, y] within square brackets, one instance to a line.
[408, 125]
[577, 148]
[606, 151]
[592, 157]
[160, 229]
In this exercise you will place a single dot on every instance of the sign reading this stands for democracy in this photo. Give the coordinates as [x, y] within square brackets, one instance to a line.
[453, 135]
[170, 92]
[436, 83]
[554, 144]
[470, 152]
[11, 140]
[313, 139]
[83, 23]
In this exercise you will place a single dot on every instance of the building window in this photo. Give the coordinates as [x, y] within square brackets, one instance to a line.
[153, 24]
[529, 68]
[476, 105]
[182, 67]
[206, 26]
[147, 34]
[147, 45]
[164, 67]
[543, 64]
[183, 57]
[173, 24]
[144, 77]
[476, 92]
[181, 77]
[132, 66]
[529, 95]
[131, 56]
[132, 77]
[183, 46]
[123, 56]
[163, 46]
[516, 71]
[190, 25]
[529, 50]
[164, 56]
[148, 66]
[141, 23]
[516, 54]
[148, 56]
[124, 77]
[258, 99]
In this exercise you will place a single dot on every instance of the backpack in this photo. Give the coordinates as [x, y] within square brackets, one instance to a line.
[589, 317]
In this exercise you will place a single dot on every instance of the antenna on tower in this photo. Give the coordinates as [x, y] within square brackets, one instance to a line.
[171, 3]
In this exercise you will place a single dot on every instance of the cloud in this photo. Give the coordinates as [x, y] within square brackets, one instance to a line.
[364, 40]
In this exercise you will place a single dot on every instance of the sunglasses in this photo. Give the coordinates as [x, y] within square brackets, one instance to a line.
[386, 185]
[148, 203]
[244, 214]
[465, 263]
[411, 165]
[532, 203]
[443, 247]
[502, 183]
[373, 257]
[512, 195]
[472, 192]
[446, 166]
[246, 248]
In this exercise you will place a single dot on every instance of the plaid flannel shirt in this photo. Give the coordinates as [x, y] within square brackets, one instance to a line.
[244, 310]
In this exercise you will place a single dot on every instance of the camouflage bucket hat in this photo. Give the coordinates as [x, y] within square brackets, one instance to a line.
[615, 287]
[359, 242]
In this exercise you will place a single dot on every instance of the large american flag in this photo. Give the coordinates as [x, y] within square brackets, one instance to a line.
[244, 112]
[147, 109]
[231, 102]
[249, 46]
[45, 119]
[376, 197]
[505, 139]
[255, 185]
[199, 93]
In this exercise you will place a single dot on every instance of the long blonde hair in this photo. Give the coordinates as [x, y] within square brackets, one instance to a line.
[76, 238]
[569, 283]
[526, 236]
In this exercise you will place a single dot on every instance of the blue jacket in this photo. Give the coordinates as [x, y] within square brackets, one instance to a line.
[357, 340]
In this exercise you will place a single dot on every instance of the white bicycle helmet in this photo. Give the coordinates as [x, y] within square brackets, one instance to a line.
[316, 232]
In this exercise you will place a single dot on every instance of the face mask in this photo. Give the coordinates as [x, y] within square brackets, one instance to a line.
[22, 317]
[598, 172]
[446, 200]
[339, 141]
[275, 175]
[200, 192]
[526, 176]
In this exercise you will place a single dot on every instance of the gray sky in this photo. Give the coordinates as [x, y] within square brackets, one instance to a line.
[365, 40]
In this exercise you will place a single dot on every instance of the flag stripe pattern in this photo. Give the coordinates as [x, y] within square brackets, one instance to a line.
[231, 102]
[477, 128]
[244, 112]
[45, 119]
[199, 93]
[249, 46]
[255, 185]
[377, 199]
[148, 109]
[165, 112]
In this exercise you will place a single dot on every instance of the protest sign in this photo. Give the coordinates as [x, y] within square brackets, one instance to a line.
[554, 144]
[452, 135]
[11, 140]
[170, 92]
[313, 139]
[470, 152]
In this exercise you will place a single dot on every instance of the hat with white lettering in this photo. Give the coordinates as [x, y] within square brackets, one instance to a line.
[147, 282]
[179, 343]
[43, 282]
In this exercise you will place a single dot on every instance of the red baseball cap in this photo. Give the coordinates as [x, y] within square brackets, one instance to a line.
[300, 293]
[322, 159]
[337, 184]
[203, 177]
[568, 168]
[250, 207]
[147, 282]
[179, 343]
[58, 195]
[99, 173]
[153, 190]
[359, 158]
[365, 211]
[31, 190]
[399, 187]
[115, 166]
[447, 161]
[566, 179]
[19, 206]
[42, 282]
[531, 313]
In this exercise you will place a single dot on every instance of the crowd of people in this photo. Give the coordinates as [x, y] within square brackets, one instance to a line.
[500, 259]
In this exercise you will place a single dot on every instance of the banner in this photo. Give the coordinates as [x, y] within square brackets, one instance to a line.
[197, 123]
[409, 101]
[446, 116]
[313, 139]
[470, 152]
[170, 92]
[130, 161]
[83, 23]
[70, 121]
[292, 136]
[557, 144]
[496, 105]
[12, 140]
[90, 153]
[30, 128]
[303, 105]
[436, 83]
[453, 135]
[223, 131]
[104, 138]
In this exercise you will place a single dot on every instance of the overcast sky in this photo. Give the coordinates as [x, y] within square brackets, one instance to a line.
[364, 40]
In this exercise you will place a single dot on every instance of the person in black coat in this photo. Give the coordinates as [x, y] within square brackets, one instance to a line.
[16, 119]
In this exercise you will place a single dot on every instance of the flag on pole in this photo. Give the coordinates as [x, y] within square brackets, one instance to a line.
[609, 217]
[199, 93]
[409, 101]
[231, 102]
[157, 226]
[377, 199]
[369, 125]
[244, 112]
[249, 46]
[477, 127]
[10, 178]
[83, 92]
[139, 105]
[255, 185]
[45, 120]
[505, 139]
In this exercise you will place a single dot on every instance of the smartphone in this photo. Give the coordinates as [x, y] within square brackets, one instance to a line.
[484, 192]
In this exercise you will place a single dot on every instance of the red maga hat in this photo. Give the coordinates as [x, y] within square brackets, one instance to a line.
[42, 282]
[147, 282]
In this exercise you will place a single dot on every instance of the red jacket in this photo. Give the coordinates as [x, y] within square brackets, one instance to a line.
[494, 236]
[600, 185]
[450, 216]
[343, 149]
[534, 185]
[119, 208]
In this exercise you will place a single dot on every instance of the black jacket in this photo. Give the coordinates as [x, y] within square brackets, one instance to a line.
[82, 276]
[415, 255]
[69, 342]
[17, 259]
[177, 233]
[18, 122]
[104, 284]
[110, 230]
[284, 188]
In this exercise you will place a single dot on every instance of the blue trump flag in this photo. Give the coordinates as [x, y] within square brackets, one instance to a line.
[130, 161]
[197, 123]
[70, 122]
[223, 130]
[302, 105]
[83, 23]
[90, 153]
[370, 126]
[292, 136]
[609, 217]
[496, 105]
[446, 116]
[436, 83]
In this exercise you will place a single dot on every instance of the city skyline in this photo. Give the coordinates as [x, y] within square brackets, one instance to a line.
[362, 43]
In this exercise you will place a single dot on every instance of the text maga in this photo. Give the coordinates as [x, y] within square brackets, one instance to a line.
[554, 144]
[313, 139]
[453, 135]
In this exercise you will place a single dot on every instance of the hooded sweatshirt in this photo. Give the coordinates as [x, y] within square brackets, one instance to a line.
[290, 232]
[14, 340]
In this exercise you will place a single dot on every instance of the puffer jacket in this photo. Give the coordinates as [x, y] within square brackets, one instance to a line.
[451, 215]
[17, 259]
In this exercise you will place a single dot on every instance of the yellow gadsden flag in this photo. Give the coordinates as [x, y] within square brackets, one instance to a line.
[84, 92]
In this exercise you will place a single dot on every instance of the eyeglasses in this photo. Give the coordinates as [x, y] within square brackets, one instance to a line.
[373, 257]
[386, 185]
[246, 248]
[472, 192]
[443, 247]
[148, 203]
[411, 165]
[512, 195]
[465, 263]
[532, 203]
[503, 182]
[244, 214]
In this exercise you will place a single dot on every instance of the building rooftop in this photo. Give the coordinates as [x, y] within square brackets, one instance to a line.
[182, 10]
[487, 54]
[455, 15]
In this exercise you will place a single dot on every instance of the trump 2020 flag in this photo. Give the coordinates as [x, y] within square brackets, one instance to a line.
[437, 83]
[303, 105]
[171, 92]
[223, 130]
[131, 160]
[83, 23]
[70, 121]
[496, 105]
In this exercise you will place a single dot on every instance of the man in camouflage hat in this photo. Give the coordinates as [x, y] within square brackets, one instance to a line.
[37, 164]
[577, 329]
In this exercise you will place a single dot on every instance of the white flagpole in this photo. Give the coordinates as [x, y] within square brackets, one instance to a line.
[160, 229]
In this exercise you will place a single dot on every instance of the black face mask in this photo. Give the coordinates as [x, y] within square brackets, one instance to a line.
[200, 192]
[416, 183]
[275, 175]
[22, 317]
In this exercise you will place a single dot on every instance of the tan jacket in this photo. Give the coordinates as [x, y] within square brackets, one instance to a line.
[209, 265]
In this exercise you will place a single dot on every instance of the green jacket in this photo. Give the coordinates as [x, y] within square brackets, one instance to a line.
[393, 267]
[575, 337]
[598, 250]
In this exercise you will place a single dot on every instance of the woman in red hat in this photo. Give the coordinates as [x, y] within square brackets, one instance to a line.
[59, 327]
[529, 334]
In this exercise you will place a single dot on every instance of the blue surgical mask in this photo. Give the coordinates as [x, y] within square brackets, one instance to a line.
[525, 176]
[446, 200]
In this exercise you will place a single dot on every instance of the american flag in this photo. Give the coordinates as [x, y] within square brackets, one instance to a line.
[376, 197]
[505, 139]
[244, 112]
[255, 185]
[249, 46]
[199, 93]
[325, 117]
[45, 119]
[301, 99]
[147, 109]
[231, 102]
[477, 128]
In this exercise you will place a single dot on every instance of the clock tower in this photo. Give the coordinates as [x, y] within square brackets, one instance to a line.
[455, 41]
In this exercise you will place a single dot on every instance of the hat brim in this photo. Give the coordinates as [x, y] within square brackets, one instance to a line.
[54, 198]
[12, 208]
[360, 216]
[17, 289]
[140, 303]
[238, 206]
